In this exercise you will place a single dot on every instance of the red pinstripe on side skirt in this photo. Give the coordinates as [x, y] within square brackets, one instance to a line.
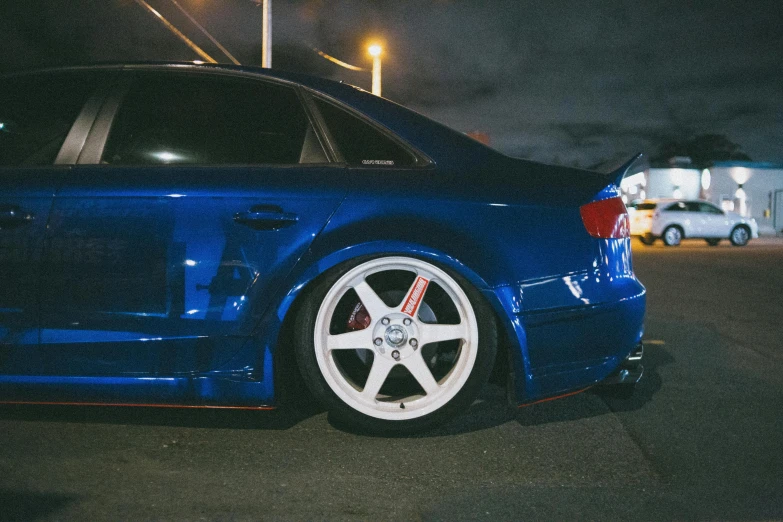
[554, 398]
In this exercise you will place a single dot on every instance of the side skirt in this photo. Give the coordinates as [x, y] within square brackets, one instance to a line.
[213, 391]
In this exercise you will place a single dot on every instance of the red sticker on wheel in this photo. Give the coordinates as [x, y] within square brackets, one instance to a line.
[413, 300]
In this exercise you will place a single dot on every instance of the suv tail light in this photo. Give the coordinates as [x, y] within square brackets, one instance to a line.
[607, 218]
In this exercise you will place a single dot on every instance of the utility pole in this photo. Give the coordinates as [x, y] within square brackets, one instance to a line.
[266, 59]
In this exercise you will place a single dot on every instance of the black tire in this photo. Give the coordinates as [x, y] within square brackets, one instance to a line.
[672, 235]
[305, 349]
[713, 241]
[647, 240]
[740, 235]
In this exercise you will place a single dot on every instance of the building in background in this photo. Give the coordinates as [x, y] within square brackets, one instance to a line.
[752, 189]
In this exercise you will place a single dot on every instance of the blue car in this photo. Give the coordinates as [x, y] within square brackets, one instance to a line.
[214, 236]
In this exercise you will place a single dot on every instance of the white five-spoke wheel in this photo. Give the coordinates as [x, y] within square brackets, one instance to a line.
[395, 343]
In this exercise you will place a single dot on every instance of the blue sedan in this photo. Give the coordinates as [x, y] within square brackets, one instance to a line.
[214, 236]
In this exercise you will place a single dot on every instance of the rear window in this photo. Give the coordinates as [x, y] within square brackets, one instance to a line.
[645, 206]
[36, 113]
[361, 144]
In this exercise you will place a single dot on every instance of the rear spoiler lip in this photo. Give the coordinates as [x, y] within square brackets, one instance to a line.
[616, 175]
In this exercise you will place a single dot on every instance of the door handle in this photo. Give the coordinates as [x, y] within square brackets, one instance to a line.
[266, 217]
[11, 216]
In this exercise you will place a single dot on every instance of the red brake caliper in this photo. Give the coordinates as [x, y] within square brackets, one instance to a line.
[359, 319]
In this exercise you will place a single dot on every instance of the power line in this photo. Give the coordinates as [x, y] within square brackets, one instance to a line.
[206, 33]
[177, 32]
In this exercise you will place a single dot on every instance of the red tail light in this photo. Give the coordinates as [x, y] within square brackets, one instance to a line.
[607, 218]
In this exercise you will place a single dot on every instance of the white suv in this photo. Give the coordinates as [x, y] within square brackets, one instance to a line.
[674, 220]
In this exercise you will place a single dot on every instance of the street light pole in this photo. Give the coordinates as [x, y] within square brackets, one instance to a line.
[375, 52]
[266, 49]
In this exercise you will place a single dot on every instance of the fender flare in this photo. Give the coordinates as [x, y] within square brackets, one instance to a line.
[309, 269]
[514, 334]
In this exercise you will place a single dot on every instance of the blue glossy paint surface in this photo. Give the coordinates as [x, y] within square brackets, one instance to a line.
[138, 285]
[25, 192]
[146, 270]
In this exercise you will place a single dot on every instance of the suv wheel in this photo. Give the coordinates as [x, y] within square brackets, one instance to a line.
[672, 236]
[740, 236]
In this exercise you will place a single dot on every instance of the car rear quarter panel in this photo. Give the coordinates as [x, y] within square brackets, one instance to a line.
[559, 294]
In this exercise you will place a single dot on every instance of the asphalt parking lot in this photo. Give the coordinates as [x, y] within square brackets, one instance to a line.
[702, 438]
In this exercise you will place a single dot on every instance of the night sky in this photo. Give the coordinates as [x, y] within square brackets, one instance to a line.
[558, 81]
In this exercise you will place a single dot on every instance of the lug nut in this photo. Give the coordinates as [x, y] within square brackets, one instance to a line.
[414, 343]
[396, 355]
[385, 320]
[407, 322]
[378, 341]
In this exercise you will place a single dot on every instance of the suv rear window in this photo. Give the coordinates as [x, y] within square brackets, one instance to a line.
[680, 206]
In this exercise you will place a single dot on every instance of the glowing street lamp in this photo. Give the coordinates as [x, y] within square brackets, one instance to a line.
[741, 175]
[375, 51]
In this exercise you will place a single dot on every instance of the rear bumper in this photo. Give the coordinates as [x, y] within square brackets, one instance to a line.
[641, 229]
[560, 349]
[647, 236]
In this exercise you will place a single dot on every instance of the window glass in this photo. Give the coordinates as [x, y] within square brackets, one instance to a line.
[360, 142]
[36, 113]
[182, 119]
[645, 206]
[677, 207]
[710, 209]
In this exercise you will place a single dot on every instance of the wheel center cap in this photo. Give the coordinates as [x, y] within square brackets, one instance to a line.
[396, 335]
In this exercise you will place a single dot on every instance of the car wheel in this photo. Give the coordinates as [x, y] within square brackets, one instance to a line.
[740, 236]
[713, 241]
[395, 344]
[647, 240]
[672, 236]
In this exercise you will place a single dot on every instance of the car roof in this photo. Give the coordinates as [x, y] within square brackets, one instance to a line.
[672, 200]
[195, 66]
[657, 200]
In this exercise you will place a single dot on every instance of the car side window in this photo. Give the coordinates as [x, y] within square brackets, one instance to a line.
[360, 143]
[36, 113]
[709, 209]
[693, 206]
[677, 207]
[181, 119]
[645, 206]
